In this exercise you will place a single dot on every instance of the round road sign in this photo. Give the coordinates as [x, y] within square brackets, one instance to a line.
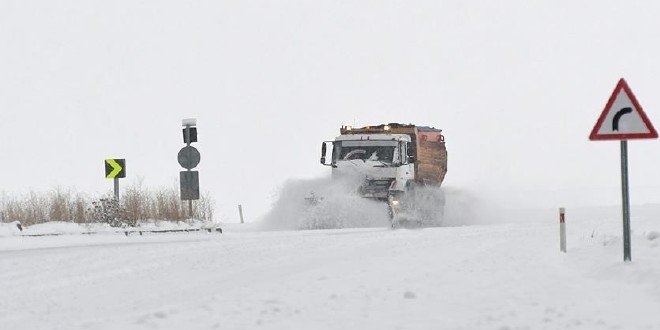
[188, 157]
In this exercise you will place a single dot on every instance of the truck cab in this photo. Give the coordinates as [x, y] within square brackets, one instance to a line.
[383, 163]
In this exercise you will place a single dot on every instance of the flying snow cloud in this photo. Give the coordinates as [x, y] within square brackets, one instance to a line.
[325, 203]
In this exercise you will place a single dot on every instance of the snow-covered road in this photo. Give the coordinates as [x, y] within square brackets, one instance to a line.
[505, 276]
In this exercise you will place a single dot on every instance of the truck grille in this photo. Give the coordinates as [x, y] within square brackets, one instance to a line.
[376, 188]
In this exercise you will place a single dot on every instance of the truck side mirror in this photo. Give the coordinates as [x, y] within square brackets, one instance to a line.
[323, 150]
[411, 159]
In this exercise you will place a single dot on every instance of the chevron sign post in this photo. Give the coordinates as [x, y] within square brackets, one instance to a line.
[115, 169]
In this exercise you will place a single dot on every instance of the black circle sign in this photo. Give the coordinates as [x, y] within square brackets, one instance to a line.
[188, 157]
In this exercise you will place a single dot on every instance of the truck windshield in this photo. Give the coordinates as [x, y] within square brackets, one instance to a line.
[377, 151]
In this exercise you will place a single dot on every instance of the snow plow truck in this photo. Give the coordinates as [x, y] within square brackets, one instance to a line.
[402, 165]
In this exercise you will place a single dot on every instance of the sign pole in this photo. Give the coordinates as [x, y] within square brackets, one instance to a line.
[626, 200]
[116, 188]
[623, 119]
[190, 210]
[188, 158]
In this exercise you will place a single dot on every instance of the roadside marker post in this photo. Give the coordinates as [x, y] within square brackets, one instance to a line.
[240, 212]
[562, 229]
[623, 119]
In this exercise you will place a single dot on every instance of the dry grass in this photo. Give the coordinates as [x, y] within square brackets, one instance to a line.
[137, 203]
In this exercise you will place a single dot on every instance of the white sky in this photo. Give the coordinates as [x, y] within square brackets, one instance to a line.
[516, 85]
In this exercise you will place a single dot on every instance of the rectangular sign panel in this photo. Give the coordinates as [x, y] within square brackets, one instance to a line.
[189, 182]
[193, 135]
[115, 168]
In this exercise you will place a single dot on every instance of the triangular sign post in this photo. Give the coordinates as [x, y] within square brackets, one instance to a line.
[623, 118]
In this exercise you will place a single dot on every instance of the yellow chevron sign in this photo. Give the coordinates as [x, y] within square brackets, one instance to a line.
[115, 168]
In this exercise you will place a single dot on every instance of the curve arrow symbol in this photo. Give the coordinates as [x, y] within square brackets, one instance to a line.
[116, 168]
[617, 117]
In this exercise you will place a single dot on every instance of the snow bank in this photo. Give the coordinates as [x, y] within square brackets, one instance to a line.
[71, 228]
[10, 229]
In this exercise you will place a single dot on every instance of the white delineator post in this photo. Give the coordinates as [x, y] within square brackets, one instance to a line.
[240, 212]
[562, 229]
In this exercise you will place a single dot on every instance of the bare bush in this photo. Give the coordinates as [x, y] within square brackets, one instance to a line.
[36, 209]
[205, 208]
[79, 206]
[12, 209]
[59, 205]
[168, 206]
[108, 210]
[137, 203]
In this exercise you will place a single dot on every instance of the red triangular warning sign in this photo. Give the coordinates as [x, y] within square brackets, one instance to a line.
[623, 118]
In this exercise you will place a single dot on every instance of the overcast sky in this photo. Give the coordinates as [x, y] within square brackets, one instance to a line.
[516, 86]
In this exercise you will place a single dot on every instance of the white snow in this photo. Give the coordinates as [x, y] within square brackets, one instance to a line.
[488, 276]
[12, 228]
[70, 228]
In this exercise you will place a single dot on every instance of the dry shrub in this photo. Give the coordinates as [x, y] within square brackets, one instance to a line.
[204, 207]
[12, 209]
[167, 205]
[37, 208]
[137, 204]
[79, 206]
[59, 205]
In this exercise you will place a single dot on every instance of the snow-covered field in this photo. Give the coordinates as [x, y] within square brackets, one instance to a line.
[488, 276]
